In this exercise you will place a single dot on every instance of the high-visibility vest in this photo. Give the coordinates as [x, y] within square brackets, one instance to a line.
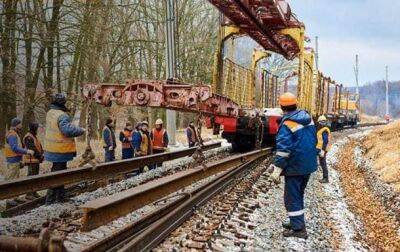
[8, 152]
[158, 138]
[127, 134]
[144, 145]
[55, 141]
[29, 159]
[320, 139]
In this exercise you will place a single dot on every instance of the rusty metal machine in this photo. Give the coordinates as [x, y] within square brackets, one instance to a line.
[270, 23]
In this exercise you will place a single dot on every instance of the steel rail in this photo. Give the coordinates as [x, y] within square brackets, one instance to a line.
[123, 236]
[158, 231]
[12, 188]
[103, 210]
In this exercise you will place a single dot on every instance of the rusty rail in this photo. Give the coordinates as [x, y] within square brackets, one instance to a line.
[123, 236]
[45, 242]
[158, 231]
[101, 211]
[9, 189]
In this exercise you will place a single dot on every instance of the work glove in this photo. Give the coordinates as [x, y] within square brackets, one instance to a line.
[322, 153]
[30, 152]
[275, 173]
[110, 148]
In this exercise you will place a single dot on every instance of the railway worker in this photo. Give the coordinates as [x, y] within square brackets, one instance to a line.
[109, 143]
[31, 142]
[295, 159]
[142, 142]
[59, 142]
[13, 151]
[125, 137]
[159, 139]
[191, 135]
[323, 137]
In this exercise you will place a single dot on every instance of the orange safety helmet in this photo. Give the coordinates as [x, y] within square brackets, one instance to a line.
[287, 99]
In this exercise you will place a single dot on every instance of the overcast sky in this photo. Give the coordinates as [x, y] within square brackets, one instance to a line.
[369, 28]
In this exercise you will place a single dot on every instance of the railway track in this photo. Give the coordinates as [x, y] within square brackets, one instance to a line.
[147, 231]
[210, 179]
[159, 207]
[79, 177]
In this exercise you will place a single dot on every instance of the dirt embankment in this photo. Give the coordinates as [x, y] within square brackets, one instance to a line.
[380, 226]
[382, 147]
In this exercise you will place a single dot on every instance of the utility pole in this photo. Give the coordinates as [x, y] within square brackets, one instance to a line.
[387, 90]
[356, 73]
[316, 53]
[170, 55]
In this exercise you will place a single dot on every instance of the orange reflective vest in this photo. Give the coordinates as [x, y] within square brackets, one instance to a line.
[28, 159]
[158, 139]
[8, 152]
[145, 145]
[55, 141]
[128, 135]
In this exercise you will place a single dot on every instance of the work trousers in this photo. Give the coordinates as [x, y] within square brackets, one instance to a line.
[294, 199]
[109, 155]
[127, 153]
[56, 194]
[33, 169]
[322, 163]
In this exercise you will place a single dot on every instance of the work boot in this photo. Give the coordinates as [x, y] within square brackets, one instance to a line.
[296, 233]
[324, 180]
[286, 225]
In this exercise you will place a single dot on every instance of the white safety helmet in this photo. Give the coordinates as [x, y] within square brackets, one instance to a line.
[159, 121]
[322, 119]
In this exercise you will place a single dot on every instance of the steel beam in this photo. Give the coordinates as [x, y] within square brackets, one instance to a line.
[9, 189]
[101, 211]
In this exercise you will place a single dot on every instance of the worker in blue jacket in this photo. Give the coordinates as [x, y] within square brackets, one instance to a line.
[295, 159]
[109, 142]
[323, 139]
[59, 142]
[13, 151]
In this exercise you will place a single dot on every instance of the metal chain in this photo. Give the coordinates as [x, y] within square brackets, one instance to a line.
[198, 155]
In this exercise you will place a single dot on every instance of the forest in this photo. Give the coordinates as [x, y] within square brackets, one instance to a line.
[52, 46]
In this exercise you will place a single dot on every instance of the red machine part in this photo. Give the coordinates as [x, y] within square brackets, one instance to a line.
[162, 94]
[261, 20]
[273, 124]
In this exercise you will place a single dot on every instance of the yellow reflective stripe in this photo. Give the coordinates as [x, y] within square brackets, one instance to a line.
[320, 138]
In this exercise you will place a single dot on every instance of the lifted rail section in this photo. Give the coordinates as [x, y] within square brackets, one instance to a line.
[101, 211]
[9, 189]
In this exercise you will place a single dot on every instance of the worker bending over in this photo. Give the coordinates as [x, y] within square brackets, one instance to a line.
[191, 135]
[323, 137]
[159, 139]
[295, 159]
[31, 142]
[125, 137]
[13, 152]
[59, 142]
[109, 143]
